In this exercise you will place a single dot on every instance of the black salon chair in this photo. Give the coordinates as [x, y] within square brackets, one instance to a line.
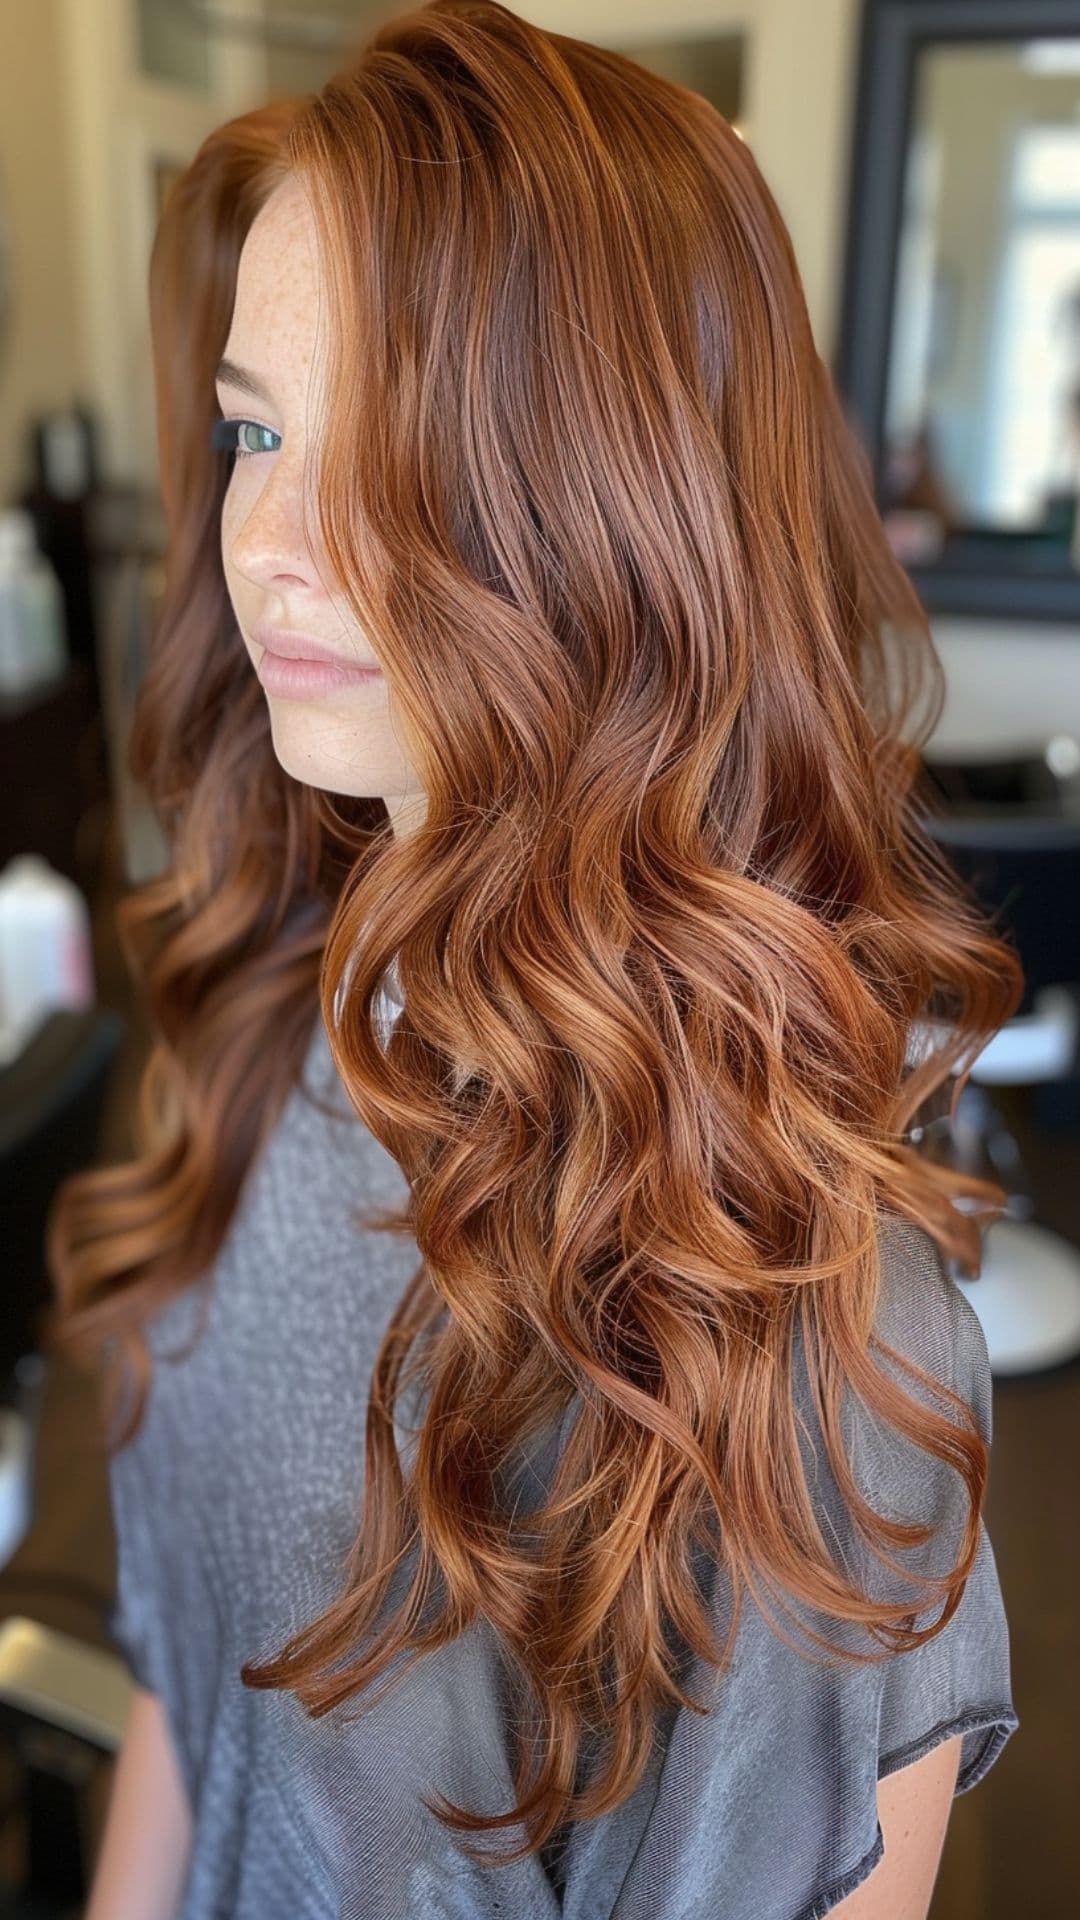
[63, 1701]
[1021, 857]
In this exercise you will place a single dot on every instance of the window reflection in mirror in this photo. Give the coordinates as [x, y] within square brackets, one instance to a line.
[982, 413]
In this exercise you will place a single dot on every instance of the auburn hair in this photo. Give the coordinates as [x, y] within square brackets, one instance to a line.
[681, 962]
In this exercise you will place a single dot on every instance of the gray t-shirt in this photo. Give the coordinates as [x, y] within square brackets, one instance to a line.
[234, 1508]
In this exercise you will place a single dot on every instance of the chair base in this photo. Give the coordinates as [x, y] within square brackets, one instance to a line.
[1027, 1297]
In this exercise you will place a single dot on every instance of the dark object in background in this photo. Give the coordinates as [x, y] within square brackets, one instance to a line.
[52, 1098]
[66, 474]
[56, 779]
[1017, 780]
[56, 776]
[1011, 830]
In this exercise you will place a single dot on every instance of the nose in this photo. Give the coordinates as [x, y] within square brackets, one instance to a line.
[272, 532]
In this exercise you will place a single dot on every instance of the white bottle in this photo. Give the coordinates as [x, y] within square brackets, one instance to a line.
[46, 950]
[33, 630]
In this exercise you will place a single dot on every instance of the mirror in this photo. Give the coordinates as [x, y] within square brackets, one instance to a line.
[972, 308]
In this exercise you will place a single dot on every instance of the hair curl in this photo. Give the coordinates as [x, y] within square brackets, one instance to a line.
[671, 922]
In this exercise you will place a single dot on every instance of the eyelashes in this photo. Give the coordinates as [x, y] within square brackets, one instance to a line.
[224, 437]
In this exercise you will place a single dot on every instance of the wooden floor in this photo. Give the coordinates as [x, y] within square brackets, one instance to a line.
[1012, 1851]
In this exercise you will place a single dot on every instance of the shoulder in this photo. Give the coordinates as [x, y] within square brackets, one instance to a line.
[926, 1341]
[924, 1315]
[925, 1336]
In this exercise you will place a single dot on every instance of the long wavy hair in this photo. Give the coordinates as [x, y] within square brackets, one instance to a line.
[681, 962]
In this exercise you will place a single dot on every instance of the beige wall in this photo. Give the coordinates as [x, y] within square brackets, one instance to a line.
[77, 126]
[43, 361]
[79, 130]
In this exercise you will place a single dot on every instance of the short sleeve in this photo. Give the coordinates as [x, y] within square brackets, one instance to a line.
[153, 1589]
[137, 1613]
[766, 1808]
[958, 1682]
[132, 1617]
[148, 1596]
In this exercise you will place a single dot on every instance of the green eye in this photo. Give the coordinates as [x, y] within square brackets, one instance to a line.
[225, 437]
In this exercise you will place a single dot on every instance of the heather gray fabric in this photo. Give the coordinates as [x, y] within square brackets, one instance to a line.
[236, 1502]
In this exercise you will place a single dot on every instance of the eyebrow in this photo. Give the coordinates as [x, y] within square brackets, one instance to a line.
[228, 373]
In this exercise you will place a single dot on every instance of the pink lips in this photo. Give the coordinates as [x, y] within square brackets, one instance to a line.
[299, 667]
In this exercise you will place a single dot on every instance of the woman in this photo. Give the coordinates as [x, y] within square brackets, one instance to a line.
[569, 926]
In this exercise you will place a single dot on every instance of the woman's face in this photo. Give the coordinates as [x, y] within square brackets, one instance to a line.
[331, 726]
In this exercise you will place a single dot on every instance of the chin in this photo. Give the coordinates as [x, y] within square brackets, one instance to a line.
[322, 749]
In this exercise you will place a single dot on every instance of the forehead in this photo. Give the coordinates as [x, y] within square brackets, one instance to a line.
[278, 279]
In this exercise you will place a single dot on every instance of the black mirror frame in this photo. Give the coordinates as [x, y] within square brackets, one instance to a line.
[892, 34]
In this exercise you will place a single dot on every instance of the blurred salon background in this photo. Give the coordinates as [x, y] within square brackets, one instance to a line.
[926, 157]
